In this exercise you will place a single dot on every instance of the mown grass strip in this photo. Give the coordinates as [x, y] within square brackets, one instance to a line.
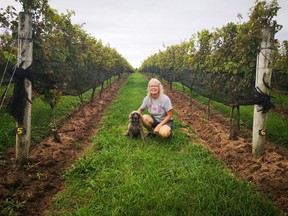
[40, 118]
[275, 124]
[122, 176]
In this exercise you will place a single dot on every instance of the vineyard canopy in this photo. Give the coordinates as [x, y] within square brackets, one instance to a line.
[55, 75]
[229, 89]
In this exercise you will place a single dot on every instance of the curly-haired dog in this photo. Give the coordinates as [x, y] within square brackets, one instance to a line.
[135, 127]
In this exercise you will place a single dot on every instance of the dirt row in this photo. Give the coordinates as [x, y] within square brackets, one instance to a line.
[37, 183]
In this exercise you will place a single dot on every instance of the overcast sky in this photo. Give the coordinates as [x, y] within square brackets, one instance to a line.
[139, 28]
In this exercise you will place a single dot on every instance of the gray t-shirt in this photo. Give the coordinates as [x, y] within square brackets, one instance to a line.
[157, 108]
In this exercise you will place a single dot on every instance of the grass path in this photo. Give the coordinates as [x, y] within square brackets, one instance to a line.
[120, 176]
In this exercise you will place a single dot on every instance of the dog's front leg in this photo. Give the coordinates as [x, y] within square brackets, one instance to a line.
[131, 133]
[142, 132]
[128, 133]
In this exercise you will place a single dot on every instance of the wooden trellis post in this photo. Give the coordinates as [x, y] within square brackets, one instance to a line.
[263, 73]
[25, 50]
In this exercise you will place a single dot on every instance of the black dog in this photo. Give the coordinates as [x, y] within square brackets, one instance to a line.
[135, 127]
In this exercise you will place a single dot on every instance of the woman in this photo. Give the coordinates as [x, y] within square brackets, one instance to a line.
[160, 108]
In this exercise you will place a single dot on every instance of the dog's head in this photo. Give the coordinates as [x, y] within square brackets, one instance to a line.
[135, 116]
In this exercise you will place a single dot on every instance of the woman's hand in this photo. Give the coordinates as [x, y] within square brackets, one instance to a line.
[157, 128]
[168, 117]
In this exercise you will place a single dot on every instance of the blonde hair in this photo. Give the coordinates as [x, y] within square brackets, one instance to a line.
[161, 90]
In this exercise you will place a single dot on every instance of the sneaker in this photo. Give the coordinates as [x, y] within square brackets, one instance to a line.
[151, 135]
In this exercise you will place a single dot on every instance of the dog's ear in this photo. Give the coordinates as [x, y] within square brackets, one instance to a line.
[139, 115]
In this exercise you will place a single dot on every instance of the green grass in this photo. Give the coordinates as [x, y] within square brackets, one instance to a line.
[275, 124]
[40, 118]
[281, 99]
[122, 176]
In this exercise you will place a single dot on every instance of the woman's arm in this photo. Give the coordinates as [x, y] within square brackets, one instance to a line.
[140, 110]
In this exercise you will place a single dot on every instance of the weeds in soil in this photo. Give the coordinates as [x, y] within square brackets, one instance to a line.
[78, 145]
[122, 176]
[9, 206]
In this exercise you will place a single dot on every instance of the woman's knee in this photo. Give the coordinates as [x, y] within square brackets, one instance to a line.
[165, 131]
[147, 120]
